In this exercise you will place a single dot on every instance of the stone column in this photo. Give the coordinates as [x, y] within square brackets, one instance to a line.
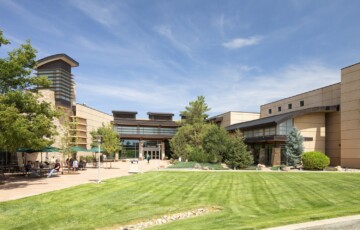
[141, 150]
[262, 156]
[276, 156]
[116, 156]
[162, 150]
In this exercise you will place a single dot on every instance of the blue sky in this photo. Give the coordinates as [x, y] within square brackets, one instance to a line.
[158, 55]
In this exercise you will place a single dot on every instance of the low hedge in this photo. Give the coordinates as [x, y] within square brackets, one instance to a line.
[315, 160]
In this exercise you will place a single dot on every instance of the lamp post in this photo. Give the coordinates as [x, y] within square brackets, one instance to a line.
[99, 141]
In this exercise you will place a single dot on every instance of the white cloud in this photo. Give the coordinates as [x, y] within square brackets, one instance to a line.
[238, 43]
[32, 19]
[100, 12]
[229, 89]
[247, 94]
[167, 32]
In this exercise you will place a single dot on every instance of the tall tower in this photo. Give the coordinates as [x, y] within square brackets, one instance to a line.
[58, 70]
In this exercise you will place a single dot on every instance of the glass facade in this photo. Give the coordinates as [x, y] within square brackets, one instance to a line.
[129, 149]
[260, 132]
[285, 127]
[145, 130]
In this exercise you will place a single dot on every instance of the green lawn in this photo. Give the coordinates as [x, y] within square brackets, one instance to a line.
[248, 199]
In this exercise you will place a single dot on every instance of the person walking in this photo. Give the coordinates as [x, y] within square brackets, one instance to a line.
[148, 158]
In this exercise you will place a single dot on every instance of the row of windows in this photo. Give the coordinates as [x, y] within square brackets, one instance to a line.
[260, 132]
[145, 130]
[283, 129]
[302, 103]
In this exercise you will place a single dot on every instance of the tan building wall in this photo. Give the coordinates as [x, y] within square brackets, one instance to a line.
[92, 118]
[232, 117]
[350, 116]
[333, 138]
[312, 125]
[325, 96]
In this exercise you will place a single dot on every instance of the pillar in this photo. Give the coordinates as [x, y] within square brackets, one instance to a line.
[162, 150]
[141, 150]
[262, 156]
[276, 156]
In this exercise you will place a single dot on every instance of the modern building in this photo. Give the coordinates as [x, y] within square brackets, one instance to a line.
[87, 119]
[145, 136]
[328, 118]
[233, 117]
[83, 119]
[58, 70]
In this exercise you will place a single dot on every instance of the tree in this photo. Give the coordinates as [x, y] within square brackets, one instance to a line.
[216, 143]
[195, 113]
[237, 155]
[110, 141]
[294, 147]
[26, 121]
[188, 140]
[67, 140]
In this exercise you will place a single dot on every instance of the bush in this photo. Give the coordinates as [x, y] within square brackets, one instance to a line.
[315, 160]
[198, 155]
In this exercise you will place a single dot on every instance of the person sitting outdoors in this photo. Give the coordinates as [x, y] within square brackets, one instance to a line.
[55, 169]
[28, 167]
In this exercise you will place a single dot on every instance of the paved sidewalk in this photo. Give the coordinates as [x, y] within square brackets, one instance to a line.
[21, 186]
[346, 222]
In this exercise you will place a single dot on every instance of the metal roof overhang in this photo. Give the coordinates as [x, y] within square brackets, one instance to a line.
[277, 119]
[56, 57]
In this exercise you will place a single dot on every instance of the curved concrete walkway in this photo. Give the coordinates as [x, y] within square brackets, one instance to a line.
[346, 222]
[17, 187]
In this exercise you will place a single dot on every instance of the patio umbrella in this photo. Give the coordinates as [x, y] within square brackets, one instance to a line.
[49, 149]
[78, 149]
[96, 150]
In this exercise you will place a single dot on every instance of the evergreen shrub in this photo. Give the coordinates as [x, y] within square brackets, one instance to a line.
[315, 160]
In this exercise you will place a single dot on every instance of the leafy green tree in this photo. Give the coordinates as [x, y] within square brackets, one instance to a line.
[67, 140]
[26, 121]
[237, 155]
[110, 141]
[216, 143]
[294, 147]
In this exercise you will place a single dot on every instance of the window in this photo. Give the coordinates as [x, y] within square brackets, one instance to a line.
[302, 103]
[249, 133]
[289, 106]
[258, 133]
[270, 131]
[270, 111]
[279, 109]
[285, 127]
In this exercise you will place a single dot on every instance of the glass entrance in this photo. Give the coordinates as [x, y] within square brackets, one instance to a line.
[256, 154]
[152, 152]
[268, 154]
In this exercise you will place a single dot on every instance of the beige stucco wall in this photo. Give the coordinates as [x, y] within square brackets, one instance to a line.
[312, 125]
[325, 96]
[350, 116]
[94, 119]
[232, 117]
[333, 138]
[49, 96]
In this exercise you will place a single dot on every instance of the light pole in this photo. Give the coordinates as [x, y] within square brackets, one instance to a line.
[99, 141]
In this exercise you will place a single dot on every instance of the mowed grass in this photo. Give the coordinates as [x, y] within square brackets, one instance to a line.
[248, 200]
